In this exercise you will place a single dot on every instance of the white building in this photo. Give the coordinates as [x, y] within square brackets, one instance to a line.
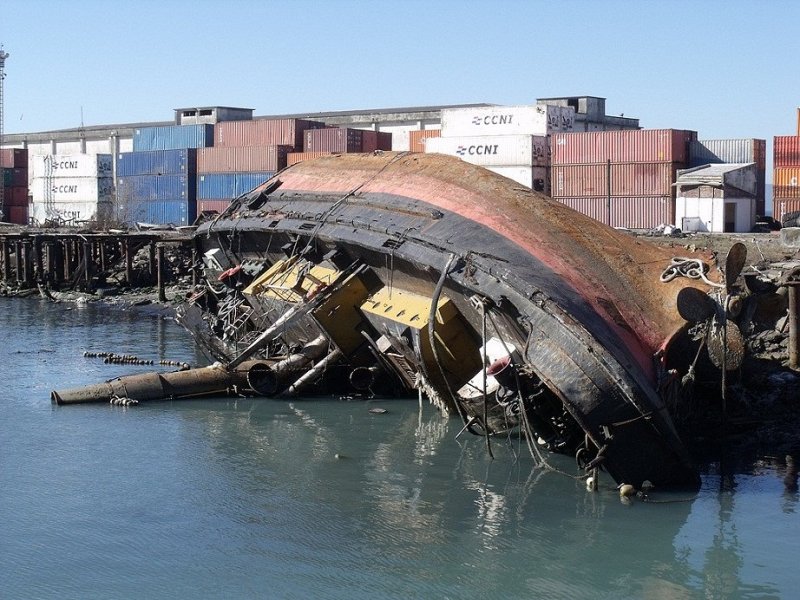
[717, 198]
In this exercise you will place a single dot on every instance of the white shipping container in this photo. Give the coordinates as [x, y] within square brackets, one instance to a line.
[70, 212]
[70, 165]
[537, 119]
[494, 150]
[71, 189]
[536, 178]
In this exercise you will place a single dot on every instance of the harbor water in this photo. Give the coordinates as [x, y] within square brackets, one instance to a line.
[324, 498]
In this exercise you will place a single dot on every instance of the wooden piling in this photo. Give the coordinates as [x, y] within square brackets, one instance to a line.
[6, 262]
[162, 297]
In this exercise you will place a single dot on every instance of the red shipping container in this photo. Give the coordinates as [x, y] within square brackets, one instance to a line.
[631, 213]
[14, 158]
[263, 132]
[375, 140]
[16, 214]
[627, 179]
[782, 206]
[787, 151]
[212, 205]
[416, 139]
[242, 159]
[295, 157]
[642, 145]
[338, 139]
[15, 196]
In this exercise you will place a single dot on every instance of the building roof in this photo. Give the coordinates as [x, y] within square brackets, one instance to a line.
[711, 174]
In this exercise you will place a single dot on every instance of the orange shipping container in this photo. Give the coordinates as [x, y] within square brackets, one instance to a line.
[296, 157]
[416, 139]
[786, 182]
[242, 159]
[627, 179]
[782, 206]
[263, 132]
[623, 146]
[787, 151]
[632, 213]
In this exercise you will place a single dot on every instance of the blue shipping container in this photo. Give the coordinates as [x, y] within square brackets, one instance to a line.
[140, 188]
[228, 185]
[162, 212]
[173, 137]
[157, 162]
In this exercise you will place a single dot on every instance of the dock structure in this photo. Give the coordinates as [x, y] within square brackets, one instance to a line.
[63, 259]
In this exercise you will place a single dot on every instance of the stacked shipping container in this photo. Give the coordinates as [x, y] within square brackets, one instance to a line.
[710, 152]
[786, 176]
[157, 186]
[14, 176]
[513, 141]
[71, 188]
[621, 178]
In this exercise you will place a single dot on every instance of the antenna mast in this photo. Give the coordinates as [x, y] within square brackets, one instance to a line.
[3, 56]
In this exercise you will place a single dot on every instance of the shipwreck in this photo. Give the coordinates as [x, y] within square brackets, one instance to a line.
[425, 276]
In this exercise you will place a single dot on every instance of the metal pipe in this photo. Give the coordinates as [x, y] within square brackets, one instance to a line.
[212, 380]
[314, 373]
[363, 378]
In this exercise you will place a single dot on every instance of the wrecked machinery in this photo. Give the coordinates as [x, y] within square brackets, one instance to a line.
[422, 275]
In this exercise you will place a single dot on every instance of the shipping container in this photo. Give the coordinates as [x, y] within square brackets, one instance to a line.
[627, 179]
[149, 188]
[242, 159]
[417, 139]
[228, 185]
[181, 161]
[535, 178]
[375, 140]
[14, 177]
[15, 196]
[161, 212]
[17, 215]
[215, 205]
[71, 165]
[70, 212]
[71, 189]
[335, 139]
[784, 206]
[786, 177]
[172, 137]
[494, 150]
[631, 213]
[538, 119]
[786, 151]
[704, 152]
[14, 158]
[296, 157]
[264, 132]
[623, 146]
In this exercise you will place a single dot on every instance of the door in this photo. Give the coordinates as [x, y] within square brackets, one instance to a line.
[730, 217]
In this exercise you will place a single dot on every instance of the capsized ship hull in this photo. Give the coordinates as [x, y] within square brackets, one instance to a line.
[422, 272]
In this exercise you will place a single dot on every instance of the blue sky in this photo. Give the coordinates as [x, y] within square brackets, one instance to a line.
[724, 68]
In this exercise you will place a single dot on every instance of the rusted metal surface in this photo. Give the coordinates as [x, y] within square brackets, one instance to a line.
[625, 179]
[786, 151]
[228, 159]
[263, 132]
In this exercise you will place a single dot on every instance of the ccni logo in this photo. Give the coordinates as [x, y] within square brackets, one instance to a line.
[492, 120]
[477, 150]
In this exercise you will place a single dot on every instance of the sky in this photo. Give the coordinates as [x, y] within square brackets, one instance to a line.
[726, 69]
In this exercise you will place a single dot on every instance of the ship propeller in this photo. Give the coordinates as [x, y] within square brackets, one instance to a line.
[723, 338]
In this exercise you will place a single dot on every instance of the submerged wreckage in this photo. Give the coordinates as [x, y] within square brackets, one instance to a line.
[401, 273]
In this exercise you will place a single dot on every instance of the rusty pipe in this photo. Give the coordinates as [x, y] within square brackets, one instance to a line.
[216, 379]
[314, 373]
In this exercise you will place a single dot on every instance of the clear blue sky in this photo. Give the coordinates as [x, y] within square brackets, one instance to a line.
[727, 69]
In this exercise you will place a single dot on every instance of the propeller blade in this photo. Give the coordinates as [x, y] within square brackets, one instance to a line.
[728, 341]
[695, 305]
[734, 263]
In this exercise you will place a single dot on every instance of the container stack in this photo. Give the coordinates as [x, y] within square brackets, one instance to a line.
[513, 141]
[14, 173]
[734, 151]
[786, 176]
[157, 186]
[340, 140]
[245, 154]
[621, 178]
[71, 188]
